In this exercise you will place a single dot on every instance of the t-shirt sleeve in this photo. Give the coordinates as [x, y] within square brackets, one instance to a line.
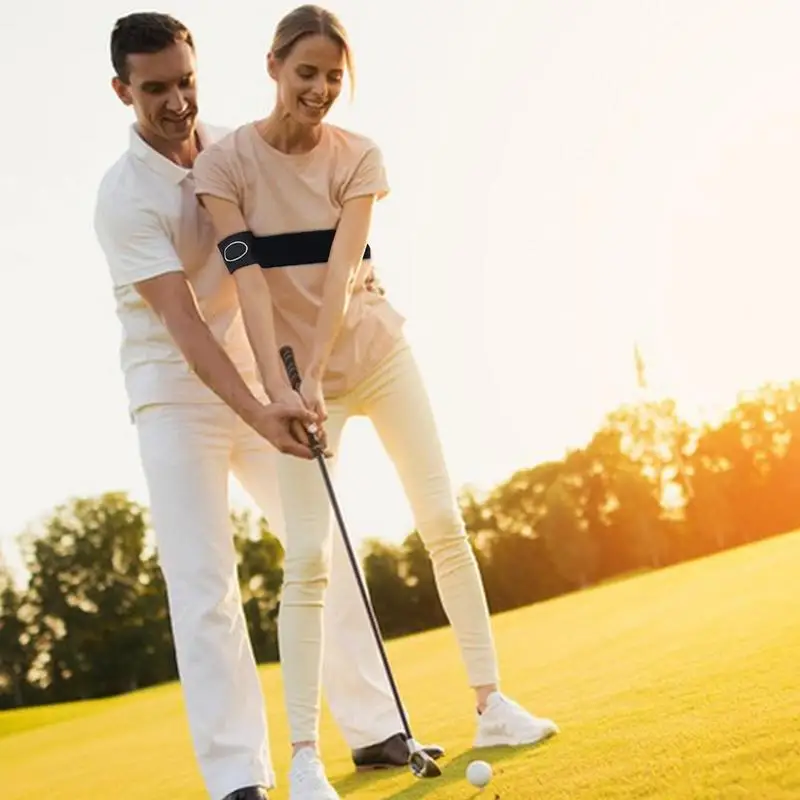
[369, 176]
[136, 244]
[214, 174]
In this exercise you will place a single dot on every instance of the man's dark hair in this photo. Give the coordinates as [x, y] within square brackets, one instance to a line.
[144, 32]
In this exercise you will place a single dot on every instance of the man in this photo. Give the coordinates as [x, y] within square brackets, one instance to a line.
[200, 413]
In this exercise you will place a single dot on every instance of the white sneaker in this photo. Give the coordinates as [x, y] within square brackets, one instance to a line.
[506, 723]
[307, 779]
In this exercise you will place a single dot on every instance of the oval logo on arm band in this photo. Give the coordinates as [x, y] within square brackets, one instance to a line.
[235, 250]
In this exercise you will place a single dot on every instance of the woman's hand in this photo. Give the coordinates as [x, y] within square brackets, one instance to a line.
[314, 400]
[311, 392]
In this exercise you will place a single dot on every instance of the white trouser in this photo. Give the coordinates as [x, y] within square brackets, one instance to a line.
[394, 398]
[187, 453]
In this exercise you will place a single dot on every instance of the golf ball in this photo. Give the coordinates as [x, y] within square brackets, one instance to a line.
[479, 773]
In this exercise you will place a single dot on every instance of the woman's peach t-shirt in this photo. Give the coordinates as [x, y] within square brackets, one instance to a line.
[292, 204]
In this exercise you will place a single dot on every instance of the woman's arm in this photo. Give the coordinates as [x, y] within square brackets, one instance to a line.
[255, 301]
[344, 266]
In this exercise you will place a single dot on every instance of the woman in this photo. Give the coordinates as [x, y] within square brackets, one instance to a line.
[291, 198]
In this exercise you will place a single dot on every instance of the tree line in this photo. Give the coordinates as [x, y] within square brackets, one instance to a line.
[647, 491]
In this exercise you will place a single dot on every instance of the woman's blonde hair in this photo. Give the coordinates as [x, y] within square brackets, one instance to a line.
[310, 20]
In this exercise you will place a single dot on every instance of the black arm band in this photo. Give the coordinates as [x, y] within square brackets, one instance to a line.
[238, 250]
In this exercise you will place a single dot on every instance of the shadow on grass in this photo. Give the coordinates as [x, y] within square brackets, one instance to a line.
[453, 771]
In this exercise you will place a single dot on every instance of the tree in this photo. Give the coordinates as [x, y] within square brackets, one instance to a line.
[567, 536]
[654, 439]
[98, 616]
[15, 649]
[425, 605]
[260, 557]
[515, 561]
[385, 572]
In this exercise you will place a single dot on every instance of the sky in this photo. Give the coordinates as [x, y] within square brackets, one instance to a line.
[568, 177]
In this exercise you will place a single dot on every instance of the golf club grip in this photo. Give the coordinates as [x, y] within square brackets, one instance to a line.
[287, 356]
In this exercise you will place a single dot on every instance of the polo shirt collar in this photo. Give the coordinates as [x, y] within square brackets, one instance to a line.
[163, 166]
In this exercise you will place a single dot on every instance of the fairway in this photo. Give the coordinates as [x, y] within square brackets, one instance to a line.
[682, 684]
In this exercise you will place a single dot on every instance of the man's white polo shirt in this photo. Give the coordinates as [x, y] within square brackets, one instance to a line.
[148, 223]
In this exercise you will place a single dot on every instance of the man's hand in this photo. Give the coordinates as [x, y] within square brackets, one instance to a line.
[291, 399]
[277, 422]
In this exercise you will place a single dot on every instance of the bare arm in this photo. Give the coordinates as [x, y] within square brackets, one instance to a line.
[171, 298]
[255, 300]
[140, 254]
[344, 271]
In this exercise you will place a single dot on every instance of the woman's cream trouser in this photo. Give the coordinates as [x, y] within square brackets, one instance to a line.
[395, 399]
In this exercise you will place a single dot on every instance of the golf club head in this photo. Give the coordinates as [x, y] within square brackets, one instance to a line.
[420, 763]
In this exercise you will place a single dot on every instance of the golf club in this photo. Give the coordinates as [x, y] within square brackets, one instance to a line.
[419, 762]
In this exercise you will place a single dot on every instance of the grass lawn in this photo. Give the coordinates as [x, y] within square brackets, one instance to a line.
[683, 684]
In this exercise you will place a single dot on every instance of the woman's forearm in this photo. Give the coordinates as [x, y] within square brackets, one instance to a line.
[256, 304]
[255, 299]
[344, 266]
[336, 296]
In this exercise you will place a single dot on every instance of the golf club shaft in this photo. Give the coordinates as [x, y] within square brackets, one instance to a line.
[294, 376]
[364, 594]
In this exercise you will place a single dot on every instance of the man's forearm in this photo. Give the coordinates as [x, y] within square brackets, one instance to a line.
[213, 366]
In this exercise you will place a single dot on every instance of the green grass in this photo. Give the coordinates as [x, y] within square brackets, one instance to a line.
[682, 684]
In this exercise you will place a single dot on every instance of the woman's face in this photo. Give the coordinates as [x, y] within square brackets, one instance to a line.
[310, 78]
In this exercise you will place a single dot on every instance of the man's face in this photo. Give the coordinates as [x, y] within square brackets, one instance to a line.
[161, 89]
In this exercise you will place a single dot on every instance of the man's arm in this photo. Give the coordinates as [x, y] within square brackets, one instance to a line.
[140, 253]
[172, 300]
